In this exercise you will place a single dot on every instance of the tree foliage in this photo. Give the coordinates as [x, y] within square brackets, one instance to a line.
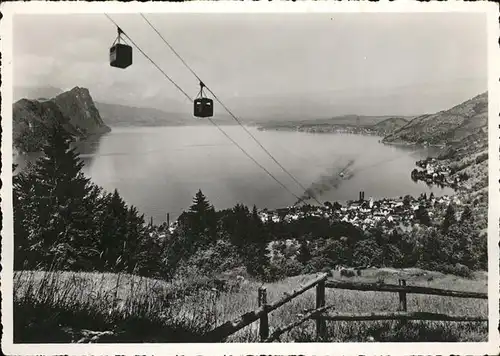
[63, 221]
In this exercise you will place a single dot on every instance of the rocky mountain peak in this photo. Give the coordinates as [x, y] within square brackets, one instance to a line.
[74, 109]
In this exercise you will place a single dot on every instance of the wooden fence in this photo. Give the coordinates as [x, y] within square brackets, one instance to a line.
[321, 312]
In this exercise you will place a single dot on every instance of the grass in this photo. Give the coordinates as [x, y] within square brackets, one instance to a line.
[66, 307]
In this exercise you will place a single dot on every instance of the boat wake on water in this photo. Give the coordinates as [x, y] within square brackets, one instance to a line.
[334, 179]
[327, 182]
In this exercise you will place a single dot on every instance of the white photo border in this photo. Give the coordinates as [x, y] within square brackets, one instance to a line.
[490, 10]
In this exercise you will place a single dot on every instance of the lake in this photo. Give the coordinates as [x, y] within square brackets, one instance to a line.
[159, 169]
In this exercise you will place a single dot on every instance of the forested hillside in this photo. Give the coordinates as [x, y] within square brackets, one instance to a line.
[445, 126]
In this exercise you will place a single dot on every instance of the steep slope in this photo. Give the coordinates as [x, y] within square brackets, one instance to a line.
[390, 125]
[463, 133]
[445, 126]
[74, 109]
[78, 106]
[31, 120]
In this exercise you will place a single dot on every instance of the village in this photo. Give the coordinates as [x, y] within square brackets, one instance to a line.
[386, 213]
[339, 129]
[364, 213]
[435, 173]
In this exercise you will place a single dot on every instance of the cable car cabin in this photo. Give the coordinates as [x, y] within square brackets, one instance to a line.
[203, 107]
[120, 55]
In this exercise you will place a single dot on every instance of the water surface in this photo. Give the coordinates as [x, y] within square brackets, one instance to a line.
[159, 169]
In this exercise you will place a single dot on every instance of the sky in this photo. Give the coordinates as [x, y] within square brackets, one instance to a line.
[310, 65]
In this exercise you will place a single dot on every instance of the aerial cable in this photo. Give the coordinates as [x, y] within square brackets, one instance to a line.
[211, 121]
[149, 58]
[226, 108]
[253, 159]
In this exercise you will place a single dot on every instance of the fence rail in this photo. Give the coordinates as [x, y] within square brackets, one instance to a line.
[403, 288]
[321, 312]
[396, 316]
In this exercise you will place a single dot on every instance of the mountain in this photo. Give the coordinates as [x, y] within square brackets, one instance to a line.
[446, 126]
[74, 109]
[462, 131]
[389, 125]
[124, 115]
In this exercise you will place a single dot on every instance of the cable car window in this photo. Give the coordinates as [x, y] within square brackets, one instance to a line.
[203, 107]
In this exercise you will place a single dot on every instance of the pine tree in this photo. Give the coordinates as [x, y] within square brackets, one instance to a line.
[200, 204]
[135, 241]
[54, 196]
[199, 223]
[25, 253]
[112, 233]
[255, 215]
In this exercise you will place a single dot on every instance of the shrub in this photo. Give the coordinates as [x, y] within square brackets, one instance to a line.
[458, 270]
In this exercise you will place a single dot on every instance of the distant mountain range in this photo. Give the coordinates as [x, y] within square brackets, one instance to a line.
[444, 127]
[373, 125]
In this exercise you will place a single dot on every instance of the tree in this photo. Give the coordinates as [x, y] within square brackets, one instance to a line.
[112, 232]
[304, 255]
[449, 218]
[201, 221]
[63, 221]
[467, 215]
[238, 223]
[422, 215]
[367, 252]
[135, 240]
[336, 206]
[52, 199]
[409, 248]
[434, 249]
[333, 252]
[407, 201]
[200, 204]
[255, 215]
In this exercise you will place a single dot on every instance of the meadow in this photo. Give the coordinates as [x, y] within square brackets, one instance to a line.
[52, 307]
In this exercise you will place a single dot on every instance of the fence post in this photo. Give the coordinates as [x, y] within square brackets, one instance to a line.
[264, 321]
[320, 302]
[402, 297]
